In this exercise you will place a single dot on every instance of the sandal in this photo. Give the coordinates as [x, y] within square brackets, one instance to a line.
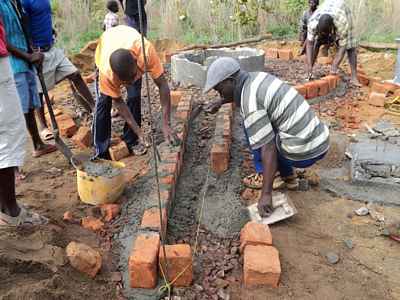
[46, 150]
[290, 182]
[25, 217]
[139, 150]
[46, 135]
[253, 181]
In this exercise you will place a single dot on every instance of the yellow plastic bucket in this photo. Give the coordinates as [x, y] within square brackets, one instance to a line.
[97, 190]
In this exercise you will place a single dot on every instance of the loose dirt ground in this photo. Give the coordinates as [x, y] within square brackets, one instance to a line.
[33, 263]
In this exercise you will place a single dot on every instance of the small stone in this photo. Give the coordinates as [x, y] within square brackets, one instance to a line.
[332, 258]
[362, 211]
[221, 283]
[349, 244]
[386, 232]
[116, 277]
[221, 274]
[234, 250]
[222, 294]
[198, 288]
[84, 258]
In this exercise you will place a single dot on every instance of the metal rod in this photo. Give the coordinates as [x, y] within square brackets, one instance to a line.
[155, 150]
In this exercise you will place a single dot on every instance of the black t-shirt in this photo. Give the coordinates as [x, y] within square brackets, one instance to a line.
[131, 8]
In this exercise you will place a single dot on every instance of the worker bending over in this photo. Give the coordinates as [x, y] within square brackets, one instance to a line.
[280, 125]
[119, 59]
[332, 22]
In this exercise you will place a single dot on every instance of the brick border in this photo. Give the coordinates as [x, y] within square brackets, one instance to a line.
[220, 149]
[144, 256]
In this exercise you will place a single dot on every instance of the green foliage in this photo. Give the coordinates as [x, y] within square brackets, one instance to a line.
[295, 8]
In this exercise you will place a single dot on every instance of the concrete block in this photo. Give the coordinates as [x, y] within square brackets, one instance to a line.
[190, 67]
[143, 261]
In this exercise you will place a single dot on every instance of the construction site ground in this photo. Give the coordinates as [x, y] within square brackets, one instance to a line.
[33, 263]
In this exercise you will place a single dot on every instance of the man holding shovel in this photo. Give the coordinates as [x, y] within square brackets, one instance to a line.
[279, 123]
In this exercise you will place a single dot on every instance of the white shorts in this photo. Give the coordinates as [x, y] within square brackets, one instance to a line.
[13, 135]
[56, 67]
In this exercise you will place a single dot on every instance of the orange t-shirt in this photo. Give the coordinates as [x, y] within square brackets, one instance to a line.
[124, 37]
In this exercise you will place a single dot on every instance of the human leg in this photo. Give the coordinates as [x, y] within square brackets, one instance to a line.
[102, 124]
[134, 103]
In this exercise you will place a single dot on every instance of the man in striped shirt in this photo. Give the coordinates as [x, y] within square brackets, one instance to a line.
[333, 22]
[278, 121]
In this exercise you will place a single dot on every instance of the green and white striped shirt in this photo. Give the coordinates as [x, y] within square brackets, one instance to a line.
[274, 110]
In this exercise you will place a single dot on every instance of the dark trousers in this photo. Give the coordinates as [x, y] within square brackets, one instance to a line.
[133, 22]
[102, 119]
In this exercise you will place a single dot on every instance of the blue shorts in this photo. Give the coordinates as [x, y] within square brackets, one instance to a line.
[27, 90]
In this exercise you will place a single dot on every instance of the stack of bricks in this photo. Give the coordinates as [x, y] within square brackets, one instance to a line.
[146, 254]
[66, 124]
[261, 263]
[283, 54]
[220, 149]
[318, 88]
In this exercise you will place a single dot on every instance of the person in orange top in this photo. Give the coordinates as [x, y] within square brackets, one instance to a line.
[120, 62]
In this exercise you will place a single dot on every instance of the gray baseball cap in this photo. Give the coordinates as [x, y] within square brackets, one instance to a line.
[221, 69]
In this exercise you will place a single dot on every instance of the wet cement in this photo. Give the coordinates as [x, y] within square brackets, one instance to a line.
[101, 169]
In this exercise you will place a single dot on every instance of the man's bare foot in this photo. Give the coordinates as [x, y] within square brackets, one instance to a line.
[265, 208]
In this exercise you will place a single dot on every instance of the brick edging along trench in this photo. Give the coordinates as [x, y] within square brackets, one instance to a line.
[146, 251]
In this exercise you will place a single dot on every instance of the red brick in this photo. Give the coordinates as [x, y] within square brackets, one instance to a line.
[302, 89]
[378, 87]
[179, 259]
[68, 216]
[151, 219]
[92, 223]
[143, 261]
[110, 211]
[323, 87]
[182, 115]
[377, 99]
[84, 258]
[261, 266]
[168, 168]
[325, 60]
[255, 234]
[272, 53]
[312, 89]
[285, 54]
[363, 79]
[119, 151]
[176, 97]
[333, 81]
[66, 125]
[391, 87]
[220, 158]
[83, 138]
[168, 179]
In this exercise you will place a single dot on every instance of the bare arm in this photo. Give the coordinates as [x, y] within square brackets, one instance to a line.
[125, 113]
[33, 58]
[269, 155]
[165, 98]
[338, 59]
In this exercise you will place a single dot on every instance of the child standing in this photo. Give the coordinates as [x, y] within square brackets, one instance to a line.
[111, 19]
